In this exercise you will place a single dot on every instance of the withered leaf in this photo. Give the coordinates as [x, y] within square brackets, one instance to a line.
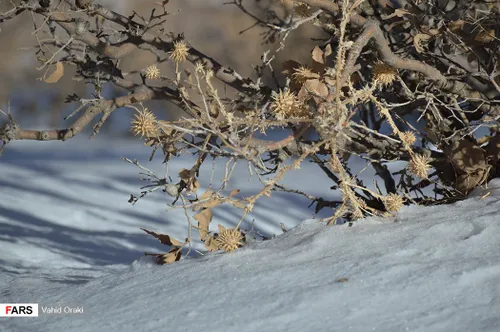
[317, 88]
[211, 244]
[328, 51]
[456, 26]
[330, 80]
[485, 36]
[221, 228]
[401, 12]
[163, 238]
[209, 203]
[196, 184]
[172, 256]
[56, 74]
[418, 39]
[185, 174]
[204, 217]
[397, 12]
[303, 94]
[317, 55]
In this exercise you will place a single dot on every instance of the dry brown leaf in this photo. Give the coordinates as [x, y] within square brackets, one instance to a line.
[210, 203]
[204, 217]
[418, 39]
[397, 12]
[456, 26]
[485, 36]
[303, 94]
[190, 181]
[317, 88]
[328, 51]
[163, 238]
[317, 55]
[56, 74]
[195, 184]
[185, 174]
[330, 80]
[211, 244]
[401, 12]
[221, 228]
[172, 256]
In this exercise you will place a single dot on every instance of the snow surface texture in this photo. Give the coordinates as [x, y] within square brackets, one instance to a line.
[69, 238]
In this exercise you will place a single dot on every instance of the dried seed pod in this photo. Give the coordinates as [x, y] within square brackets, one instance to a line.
[172, 189]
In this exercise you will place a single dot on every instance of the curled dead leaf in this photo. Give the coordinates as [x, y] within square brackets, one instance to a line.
[419, 39]
[485, 36]
[55, 75]
[317, 55]
[211, 244]
[184, 174]
[190, 182]
[318, 89]
[397, 13]
[163, 238]
[172, 256]
[204, 217]
[328, 51]
[318, 61]
[456, 26]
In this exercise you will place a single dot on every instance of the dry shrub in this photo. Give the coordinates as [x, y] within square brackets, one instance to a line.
[427, 71]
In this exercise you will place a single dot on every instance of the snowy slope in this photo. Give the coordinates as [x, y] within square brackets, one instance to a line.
[69, 238]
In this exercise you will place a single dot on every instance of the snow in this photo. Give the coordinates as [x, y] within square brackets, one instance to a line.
[69, 238]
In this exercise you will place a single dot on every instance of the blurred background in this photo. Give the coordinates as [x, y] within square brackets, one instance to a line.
[212, 27]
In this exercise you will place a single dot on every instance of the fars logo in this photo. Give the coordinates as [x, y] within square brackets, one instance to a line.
[18, 309]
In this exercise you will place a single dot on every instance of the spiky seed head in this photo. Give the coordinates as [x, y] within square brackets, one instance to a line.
[198, 67]
[408, 137]
[393, 202]
[152, 72]
[229, 239]
[383, 74]
[285, 105]
[419, 165]
[144, 124]
[302, 10]
[303, 74]
[180, 52]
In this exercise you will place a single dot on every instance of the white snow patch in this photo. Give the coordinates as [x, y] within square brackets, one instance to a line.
[69, 238]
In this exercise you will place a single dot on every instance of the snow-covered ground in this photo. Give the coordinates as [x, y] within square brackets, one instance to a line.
[68, 237]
